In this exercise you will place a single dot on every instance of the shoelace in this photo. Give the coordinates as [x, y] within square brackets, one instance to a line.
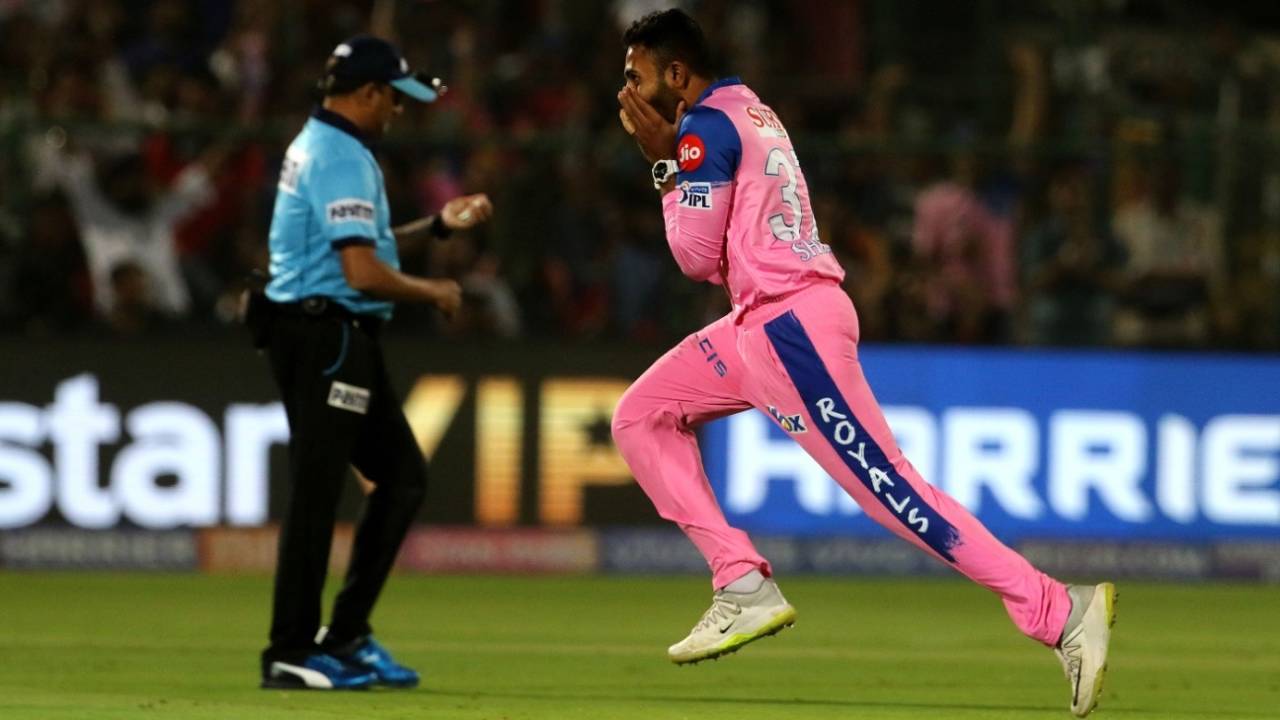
[1070, 652]
[722, 608]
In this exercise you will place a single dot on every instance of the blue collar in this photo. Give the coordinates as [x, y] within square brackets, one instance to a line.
[330, 117]
[722, 82]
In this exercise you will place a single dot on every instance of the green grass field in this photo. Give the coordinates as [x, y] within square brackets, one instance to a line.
[95, 646]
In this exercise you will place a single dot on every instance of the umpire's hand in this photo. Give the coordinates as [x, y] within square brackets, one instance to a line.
[466, 211]
[448, 296]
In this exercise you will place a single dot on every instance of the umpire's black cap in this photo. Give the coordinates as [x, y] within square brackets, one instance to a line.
[365, 58]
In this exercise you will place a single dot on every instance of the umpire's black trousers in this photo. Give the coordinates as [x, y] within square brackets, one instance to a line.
[342, 411]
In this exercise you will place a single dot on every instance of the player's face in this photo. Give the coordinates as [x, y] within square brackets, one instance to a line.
[641, 73]
[387, 103]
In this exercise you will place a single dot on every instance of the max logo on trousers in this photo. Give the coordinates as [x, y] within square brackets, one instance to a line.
[793, 424]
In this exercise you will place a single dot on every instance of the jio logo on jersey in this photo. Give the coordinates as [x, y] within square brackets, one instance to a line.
[690, 152]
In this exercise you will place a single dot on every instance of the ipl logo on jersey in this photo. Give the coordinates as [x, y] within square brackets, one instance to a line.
[696, 196]
[793, 424]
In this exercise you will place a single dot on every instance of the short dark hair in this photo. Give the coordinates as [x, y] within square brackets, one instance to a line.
[671, 35]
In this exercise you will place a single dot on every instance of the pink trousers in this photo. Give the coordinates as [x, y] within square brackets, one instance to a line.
[797, 360]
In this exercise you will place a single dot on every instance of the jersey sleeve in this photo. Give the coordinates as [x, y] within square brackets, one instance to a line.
[708, 148]
[344, 192]
[696, 213]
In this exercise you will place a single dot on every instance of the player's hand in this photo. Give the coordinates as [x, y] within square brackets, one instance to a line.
[448, 296]
[466, 211]
[626, 122]
[655, 136]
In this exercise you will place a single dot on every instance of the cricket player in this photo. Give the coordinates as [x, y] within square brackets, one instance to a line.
[737, 214]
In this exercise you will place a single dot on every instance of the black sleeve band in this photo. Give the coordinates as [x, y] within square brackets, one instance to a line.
[353, 240]
[438, 228]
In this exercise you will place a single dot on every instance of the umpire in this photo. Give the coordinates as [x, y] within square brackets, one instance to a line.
[334, 276]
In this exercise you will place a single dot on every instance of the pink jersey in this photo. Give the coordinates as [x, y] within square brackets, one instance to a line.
[740, 214]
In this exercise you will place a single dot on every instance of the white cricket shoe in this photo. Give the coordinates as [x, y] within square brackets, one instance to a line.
[1083, 647]
[733, 620]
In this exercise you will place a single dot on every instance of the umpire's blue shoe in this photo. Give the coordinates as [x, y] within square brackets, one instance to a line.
[318, 672]
[371, 656]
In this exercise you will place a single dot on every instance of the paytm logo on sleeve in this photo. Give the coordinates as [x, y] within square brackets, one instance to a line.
[350, 210]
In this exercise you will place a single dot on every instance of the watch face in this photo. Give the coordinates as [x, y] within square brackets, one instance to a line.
[662, 172]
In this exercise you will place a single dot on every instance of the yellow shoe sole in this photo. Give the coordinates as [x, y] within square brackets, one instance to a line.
[1112, 598]
[733, 643]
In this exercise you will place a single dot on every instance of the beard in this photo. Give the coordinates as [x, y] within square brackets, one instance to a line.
[665, 101]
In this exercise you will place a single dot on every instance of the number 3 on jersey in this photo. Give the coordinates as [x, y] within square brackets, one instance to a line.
[789, 232]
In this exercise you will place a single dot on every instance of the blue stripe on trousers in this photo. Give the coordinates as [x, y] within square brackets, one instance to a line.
[835, 419]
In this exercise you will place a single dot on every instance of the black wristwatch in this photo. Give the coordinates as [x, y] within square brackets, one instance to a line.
[663, 170]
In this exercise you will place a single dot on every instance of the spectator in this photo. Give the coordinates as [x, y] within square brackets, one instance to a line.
[1174, 260]
[1254, 318]
[51, 288]
[121, 217]
[1069, 266]
[969, 253]
[490, 309]
[133, 312]
[527, 79]
[863, 250]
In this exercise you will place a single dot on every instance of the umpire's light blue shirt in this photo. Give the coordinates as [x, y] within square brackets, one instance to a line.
[330, 195]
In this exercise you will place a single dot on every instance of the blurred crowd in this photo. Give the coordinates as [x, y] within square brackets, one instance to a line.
[1048, 173]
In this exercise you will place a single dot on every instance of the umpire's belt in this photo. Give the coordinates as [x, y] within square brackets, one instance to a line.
[318, 306]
